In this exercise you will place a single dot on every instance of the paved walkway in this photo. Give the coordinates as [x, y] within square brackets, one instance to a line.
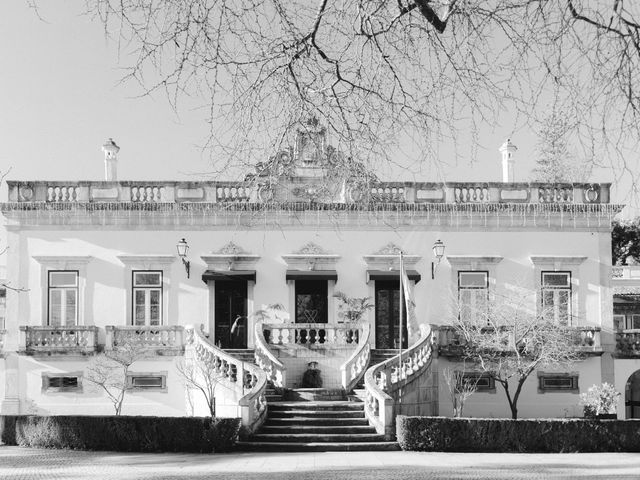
[21, 463]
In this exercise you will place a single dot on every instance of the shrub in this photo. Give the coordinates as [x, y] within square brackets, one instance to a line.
[506, 435]
[122, 433]
[599, 400]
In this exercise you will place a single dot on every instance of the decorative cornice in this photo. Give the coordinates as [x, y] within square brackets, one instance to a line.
[147, 260]
[62, 259]
[231, 249]
[389, 249]
[311, 257]
[473, 259]
[311, 250]
[388, 258]
[557, 260]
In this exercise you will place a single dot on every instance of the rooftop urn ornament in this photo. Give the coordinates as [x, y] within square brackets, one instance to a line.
[438, 252]
[110, 150]
[183, 249]
[508, 149]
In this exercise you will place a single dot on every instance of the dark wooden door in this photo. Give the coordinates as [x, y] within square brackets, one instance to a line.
[388, 315]
[231, 314]
[311, 301]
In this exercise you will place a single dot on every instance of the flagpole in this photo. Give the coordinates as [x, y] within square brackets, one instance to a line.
[401, 315]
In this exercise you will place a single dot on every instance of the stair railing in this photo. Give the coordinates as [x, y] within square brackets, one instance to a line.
[274, 369]
[383, 381]
[356, 365]
[247, 380]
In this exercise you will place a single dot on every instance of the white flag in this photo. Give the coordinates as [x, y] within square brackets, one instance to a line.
[412, 323]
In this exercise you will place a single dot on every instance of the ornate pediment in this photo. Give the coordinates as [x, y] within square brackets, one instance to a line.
[311, 256]
[231, 257]
[388, 258]
[231, 249]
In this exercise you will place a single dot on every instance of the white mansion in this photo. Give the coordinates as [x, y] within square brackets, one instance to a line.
[98, 264]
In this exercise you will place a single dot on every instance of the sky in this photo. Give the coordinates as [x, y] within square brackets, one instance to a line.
[62, 95]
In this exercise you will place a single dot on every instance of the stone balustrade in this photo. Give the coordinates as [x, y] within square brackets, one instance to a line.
[67, 340]
[354, 368]
[275, 370]
[312, 334]
[383, 381]
[160, 339]
[628, 344]
[248, 192]
[451, 344]
[625, 272]
[247, 380]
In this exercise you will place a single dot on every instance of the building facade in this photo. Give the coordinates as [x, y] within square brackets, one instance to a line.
[98, 264]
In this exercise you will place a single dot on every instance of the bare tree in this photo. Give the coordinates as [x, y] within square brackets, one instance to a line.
[108, 371]
[461, 387]
[203, 377]
[380, 72]
[509, 338]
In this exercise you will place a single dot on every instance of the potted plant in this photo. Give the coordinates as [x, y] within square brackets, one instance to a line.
[351, 309]
[600, 401]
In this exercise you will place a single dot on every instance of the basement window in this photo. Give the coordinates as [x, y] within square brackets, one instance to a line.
[57, 383]
[483, 382]
[557, 382]
[147, 381]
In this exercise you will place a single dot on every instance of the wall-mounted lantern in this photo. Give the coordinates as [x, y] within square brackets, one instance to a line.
[438, 252]
[183, 249]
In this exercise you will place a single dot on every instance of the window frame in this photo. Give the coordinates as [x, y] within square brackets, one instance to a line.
[491, 381]
[568, 288]
[48, 389]
[574, 378]
[63, 304]
[460, 274]
[131, 376]
[159, 287]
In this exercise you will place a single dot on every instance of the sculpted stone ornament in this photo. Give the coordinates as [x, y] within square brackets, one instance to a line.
[231, 249]
[389, 249]
[311, 249]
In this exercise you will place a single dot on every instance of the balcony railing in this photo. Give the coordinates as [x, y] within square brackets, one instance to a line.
[58, 340]
[451, 344]
[65, 192]
[161, 339]
[625, 272]
[628, 344]
[328, 335]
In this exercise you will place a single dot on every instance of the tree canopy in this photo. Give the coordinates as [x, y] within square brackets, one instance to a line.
[382, 72]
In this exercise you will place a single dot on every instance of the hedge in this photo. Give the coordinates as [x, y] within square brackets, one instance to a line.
[121, 433]
[506, 435]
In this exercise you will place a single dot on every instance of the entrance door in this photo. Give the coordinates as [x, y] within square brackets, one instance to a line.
[231, 314]
[632, 396]
[311, 301]
[388, 315]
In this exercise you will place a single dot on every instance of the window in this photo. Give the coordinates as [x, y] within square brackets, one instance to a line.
[556, 296]
[3, 308]
[63, 298]
[147, 297]
[482, 381]
[311, 301]
[618, 323]
[65, 382]
[147, 381]
[557, 382]
[634, 322]
[473, 290]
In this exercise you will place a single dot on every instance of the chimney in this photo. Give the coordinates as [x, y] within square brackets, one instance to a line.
[110, 150]
[508, 149]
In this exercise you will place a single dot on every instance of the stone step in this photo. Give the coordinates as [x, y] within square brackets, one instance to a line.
[273, 398]
[317, 438]
[328, 414]
[317, 429]
[318, 406]
[292, 422]
[316, 446]
[315, 394]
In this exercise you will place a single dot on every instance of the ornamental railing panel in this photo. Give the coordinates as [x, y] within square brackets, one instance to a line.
[159, 339]
[275, 370]
[383, 381]
[312, 334]
[247, 380]
[356, 365]
[60, 340]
